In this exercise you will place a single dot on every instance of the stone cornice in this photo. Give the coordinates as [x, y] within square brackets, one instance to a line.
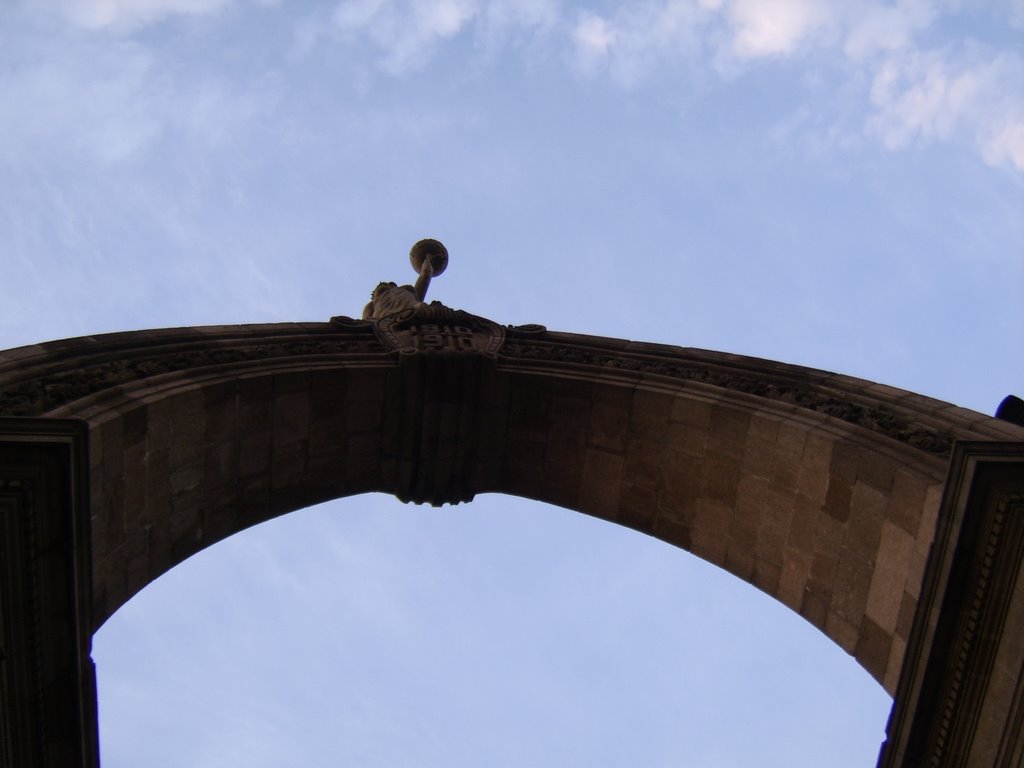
[40, 380]
[852, 401]
[73, 372]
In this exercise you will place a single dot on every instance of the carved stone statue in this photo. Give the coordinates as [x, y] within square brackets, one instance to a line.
[429, 258]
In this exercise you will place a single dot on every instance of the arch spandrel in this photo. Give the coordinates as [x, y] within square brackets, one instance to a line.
[819, 489]
[811, 512]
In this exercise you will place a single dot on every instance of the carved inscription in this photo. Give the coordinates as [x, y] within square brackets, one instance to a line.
[442, 338]
[435, 329]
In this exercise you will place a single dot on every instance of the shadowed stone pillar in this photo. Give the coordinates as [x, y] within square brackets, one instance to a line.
[960, 701]
[47, 681]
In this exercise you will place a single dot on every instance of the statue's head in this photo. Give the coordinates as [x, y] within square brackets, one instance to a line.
[381, 289]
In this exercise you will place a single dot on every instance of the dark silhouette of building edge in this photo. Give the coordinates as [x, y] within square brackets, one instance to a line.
[891, 521]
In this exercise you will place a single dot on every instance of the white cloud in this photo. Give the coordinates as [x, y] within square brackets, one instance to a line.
[406, 31]
[916, 96]
[881, 76]
[1004, 144]
[886, 27]
[593, 37]
[775, 28]
[937, 95]
[502, 21]
[594, 34]
[444, 18]
[640, 39]
[869, 50]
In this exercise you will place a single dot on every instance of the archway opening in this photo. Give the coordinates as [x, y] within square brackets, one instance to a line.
[504, 632]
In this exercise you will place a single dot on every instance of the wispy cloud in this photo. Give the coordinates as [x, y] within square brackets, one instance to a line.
[640, 40]
[593, 37]
[877, 27]
[109, 99]
[896, 74]
[408, 33]
[127, 14]
[49, 99]
[760, 29]
[926, 96]
[911, 94]
[636, 38]
[405, 32]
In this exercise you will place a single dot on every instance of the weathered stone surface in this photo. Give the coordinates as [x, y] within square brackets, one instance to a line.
[960, 681]
[820, 490]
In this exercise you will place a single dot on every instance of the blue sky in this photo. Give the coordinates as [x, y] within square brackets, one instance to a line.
[834, 184]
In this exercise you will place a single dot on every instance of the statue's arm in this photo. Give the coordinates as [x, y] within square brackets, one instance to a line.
[423, 281]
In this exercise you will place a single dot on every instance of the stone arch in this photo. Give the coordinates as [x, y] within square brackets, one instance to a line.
[821, 490]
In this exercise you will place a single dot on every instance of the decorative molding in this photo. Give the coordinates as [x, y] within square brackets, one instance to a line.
[44, 393]
[101, 364]
[876, 418]
[997, 562]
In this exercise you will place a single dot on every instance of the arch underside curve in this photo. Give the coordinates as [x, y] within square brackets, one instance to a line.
[819, 489]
